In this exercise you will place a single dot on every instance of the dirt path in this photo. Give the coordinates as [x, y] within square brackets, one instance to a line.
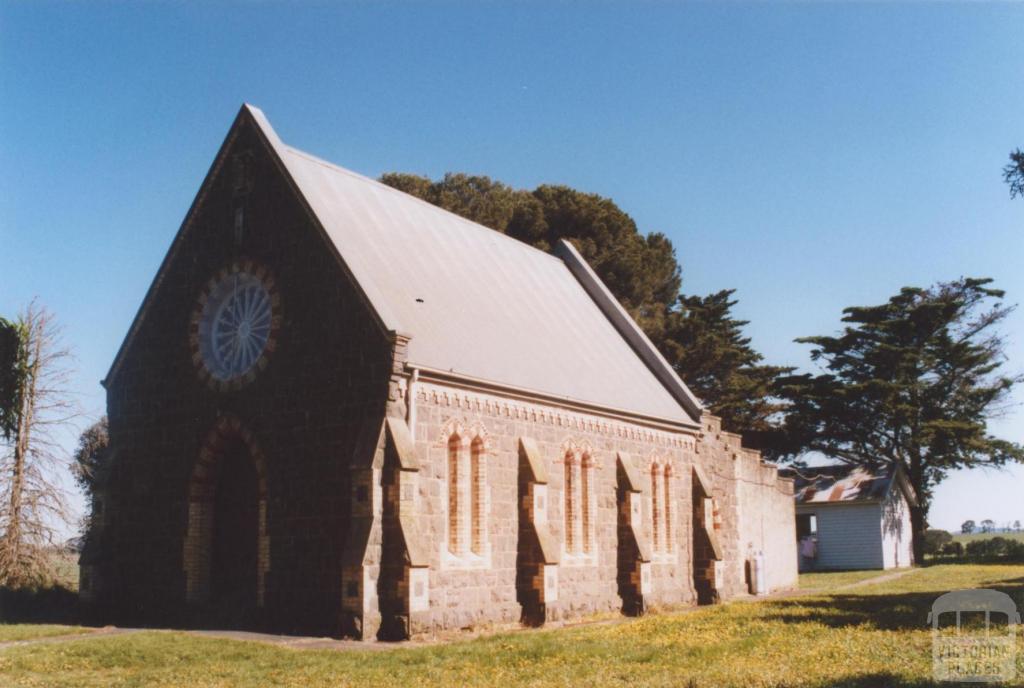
[68, 637]
[884, 578]
[303, 642]
[801, 592]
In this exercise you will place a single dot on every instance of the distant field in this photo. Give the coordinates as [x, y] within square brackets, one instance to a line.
[960, 537]
[65, 565]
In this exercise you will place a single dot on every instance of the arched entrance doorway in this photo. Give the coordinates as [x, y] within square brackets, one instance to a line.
[227, 551]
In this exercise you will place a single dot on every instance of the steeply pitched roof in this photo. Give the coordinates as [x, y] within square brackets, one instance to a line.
[480, 305]
[843, 483]
[475, 302]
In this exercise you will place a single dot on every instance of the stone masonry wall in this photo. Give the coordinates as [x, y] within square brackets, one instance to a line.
[324, 383]
[757, 510]
[767, 520]
[480, 589]
[358, 532]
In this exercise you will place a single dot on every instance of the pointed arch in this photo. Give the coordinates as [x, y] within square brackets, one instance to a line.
[228, 440]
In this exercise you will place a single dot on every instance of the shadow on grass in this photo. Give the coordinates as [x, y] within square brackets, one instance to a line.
[53, 605]
[880, 680]
[891, 612]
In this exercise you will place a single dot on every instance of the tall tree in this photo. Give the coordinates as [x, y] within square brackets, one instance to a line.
[968, 527]
[1013, 173]
[32, 504]
[911, 382]
[640, 270]
[706, 346]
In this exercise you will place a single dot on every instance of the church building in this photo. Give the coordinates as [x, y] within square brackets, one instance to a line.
[343, 411]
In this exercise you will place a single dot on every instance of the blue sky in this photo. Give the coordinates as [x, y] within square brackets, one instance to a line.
[811, 156]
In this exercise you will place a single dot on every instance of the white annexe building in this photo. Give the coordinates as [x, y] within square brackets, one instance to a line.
[850, 517]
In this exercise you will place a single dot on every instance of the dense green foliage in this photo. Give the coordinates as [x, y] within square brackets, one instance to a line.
[12, 350]
[706, 346]
[935, 540]
[981, 548]
[696, 334]
[995, 549]
[910, 382]
[90, 456]
[1013, 173]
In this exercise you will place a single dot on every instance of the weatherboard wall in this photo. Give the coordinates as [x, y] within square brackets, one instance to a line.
[849, 535]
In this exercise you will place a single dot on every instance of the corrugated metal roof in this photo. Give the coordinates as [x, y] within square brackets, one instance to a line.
[475, 302]
[842, 483]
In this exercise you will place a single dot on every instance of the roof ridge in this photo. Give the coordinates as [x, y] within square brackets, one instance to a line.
[335, 195]
[363, 178]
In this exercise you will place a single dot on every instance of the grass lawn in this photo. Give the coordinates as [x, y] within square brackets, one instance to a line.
[826, 581]
[874, 635]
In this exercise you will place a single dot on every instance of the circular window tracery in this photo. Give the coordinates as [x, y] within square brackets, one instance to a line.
[235, 325]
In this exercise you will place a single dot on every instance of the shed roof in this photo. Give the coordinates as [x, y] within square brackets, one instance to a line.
[844, 483]
[479, 304]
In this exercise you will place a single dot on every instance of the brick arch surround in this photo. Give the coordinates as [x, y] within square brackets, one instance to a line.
[202, 486]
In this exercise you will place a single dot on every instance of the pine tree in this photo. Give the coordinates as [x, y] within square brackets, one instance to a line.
[1013, 173]
[911, 382]
[697, 335]
[706, 346]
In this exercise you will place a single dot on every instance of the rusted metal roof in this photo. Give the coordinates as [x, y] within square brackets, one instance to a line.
[479, 304]
[842, 483]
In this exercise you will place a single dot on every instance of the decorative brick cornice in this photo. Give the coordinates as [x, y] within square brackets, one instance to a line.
[495, 406]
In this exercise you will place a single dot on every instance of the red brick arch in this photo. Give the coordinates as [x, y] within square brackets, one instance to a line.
[201, 493]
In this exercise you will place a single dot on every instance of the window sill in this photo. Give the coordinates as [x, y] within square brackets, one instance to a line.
[466, 561]
[579, 558]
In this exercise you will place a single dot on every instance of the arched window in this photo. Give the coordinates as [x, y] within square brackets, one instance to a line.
[571, 508]
[455, 501]
[586, 508]
[669, 509]
[478, 485]
[656, 505]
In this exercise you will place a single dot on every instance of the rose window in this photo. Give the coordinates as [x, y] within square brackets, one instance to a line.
[235, 325]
